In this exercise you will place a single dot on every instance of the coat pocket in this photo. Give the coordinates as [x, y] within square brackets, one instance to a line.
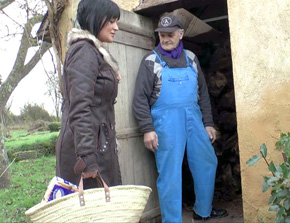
[103, 138]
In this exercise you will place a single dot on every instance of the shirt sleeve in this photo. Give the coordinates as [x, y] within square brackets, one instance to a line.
[141, 100]
[204, 99]
[82, 71]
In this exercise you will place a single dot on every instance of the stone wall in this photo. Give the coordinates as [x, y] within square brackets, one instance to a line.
[260, 44]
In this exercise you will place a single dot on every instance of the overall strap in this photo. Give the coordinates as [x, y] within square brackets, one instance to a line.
[163, 63]
[187, 60]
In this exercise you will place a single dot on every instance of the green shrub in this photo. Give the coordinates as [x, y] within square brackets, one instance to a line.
[279, 182]
[54, 126]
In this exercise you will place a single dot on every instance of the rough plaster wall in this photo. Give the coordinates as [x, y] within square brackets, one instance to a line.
[260, 44]
[128, 5]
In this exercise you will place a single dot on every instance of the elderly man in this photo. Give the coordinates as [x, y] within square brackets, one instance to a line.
[172, 106]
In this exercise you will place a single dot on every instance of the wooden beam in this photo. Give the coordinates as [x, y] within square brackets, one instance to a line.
[135, 30]
[128, 133]
[154, 8]
[132, 39]
[151, 3]
[216, 18]
[140, 30]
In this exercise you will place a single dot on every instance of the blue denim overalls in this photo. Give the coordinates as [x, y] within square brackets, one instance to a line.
[178, 123]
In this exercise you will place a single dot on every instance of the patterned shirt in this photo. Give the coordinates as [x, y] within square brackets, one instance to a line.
[148, 86]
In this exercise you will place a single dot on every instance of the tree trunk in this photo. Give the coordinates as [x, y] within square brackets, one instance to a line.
[5, 178]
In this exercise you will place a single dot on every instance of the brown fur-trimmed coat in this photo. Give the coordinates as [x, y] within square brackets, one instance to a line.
[87, 139]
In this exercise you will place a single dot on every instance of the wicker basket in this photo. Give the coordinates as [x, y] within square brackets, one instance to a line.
[124, 204]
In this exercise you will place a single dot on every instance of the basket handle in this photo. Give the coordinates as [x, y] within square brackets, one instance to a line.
[81, 190]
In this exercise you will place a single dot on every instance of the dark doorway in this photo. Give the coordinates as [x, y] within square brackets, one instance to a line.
[213, 49]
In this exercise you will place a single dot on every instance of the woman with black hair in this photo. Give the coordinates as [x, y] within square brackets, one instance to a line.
[87, 142]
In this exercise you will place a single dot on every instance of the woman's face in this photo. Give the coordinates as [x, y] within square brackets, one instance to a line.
[108, 32]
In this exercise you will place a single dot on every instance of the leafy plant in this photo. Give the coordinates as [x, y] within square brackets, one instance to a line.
[279, 182]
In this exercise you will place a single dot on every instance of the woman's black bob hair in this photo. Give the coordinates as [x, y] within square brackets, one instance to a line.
[93, 15]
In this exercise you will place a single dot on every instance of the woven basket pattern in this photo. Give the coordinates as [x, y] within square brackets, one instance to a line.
[126, 205]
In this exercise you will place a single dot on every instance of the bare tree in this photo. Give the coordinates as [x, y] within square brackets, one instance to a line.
[54, 92]
[19, 71]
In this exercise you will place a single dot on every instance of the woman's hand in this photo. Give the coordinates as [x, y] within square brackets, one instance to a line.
[90, 174]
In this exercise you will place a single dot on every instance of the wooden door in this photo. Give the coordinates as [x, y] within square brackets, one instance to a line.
[133, 40]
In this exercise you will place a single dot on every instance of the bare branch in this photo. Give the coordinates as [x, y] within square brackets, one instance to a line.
[11, 18]
[19, 70]
[5, 3]
[27, 9]
[54, 67]
[25, 42]
[18, 73]
[12, 35]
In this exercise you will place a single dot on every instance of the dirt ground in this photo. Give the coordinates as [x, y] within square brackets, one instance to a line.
[234, 208]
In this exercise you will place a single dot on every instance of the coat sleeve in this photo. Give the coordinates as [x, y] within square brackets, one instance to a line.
[82, 71]
[141, 100]
[204, 99]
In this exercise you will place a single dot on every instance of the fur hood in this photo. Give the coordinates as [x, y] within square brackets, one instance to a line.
[77, 34]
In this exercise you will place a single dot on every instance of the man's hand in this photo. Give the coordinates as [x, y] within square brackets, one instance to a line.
[90, 174]
[151, 140]
[119, 78]
[211, 133]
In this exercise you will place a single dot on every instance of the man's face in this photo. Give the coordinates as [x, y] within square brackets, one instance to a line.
[169, 41]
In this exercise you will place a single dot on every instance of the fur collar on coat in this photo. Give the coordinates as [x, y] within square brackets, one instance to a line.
[77, 34]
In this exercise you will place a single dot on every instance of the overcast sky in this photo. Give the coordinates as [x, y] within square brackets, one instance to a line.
[32, 89]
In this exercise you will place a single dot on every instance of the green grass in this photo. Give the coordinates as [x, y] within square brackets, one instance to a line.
[29, 183]
[18, 133]
[43, 143]
[21, 138]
